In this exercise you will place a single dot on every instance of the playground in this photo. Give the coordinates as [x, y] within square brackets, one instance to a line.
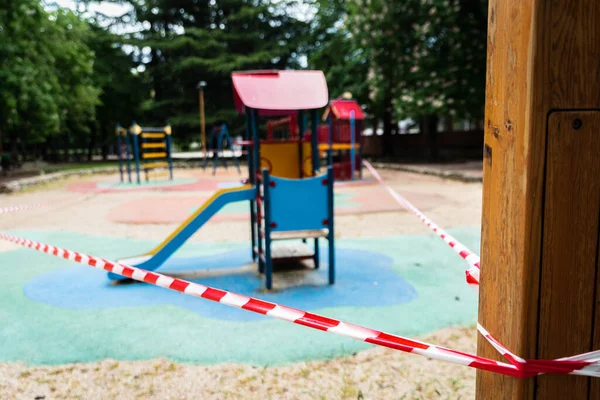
[71, 332]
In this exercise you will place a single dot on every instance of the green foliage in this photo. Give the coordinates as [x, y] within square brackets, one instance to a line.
[30, 84]
[447, 62]
[335, 52]
[122, 89]
[404, 59]
[66, 79]
[46, 73]
[185, 42]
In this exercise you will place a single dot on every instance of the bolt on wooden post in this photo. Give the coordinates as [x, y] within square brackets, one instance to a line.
[541, 192]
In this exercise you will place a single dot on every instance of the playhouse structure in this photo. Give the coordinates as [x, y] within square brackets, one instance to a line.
[340, 139]
[295, 202]
[151, 150]
[289, 199]
[343, 132]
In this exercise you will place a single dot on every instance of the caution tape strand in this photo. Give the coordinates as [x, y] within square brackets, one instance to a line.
[469, 256]
[274, 310]
[584, 364]
[12, 209]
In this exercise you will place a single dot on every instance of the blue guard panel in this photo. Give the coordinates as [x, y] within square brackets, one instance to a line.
[298, 205]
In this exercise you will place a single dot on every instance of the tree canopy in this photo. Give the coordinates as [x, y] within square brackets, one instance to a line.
[68, 77]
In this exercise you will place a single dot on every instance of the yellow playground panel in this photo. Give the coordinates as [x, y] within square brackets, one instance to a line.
[282, 159]
[338, 146]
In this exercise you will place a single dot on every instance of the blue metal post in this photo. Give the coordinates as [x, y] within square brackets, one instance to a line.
[249, 137]
[330, 227]
[352, 142]
[316, 255]
[169, 157]
[267, 209]
[256, 141]
[316, 159]
[252, 180]
[255, 166]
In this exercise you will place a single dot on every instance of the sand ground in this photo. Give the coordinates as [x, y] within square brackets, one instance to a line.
[372, 374]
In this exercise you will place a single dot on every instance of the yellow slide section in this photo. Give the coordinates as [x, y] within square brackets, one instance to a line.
[155, 258]
[194, 216]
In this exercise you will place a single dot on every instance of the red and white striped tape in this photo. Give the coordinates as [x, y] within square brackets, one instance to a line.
[584, 364]
[587, 364]
[11, 209]
[296, 316]
[579, 365]
[469, 256]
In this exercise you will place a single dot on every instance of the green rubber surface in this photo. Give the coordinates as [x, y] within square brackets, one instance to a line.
[37, 333]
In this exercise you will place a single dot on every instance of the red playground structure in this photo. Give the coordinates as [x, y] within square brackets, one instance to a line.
[342, 138]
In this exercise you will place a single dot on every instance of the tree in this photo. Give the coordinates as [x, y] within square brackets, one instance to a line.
[418, 59]
[46, 75]
[184, 43]
[385, 31]
[74, 65]
[447, 61]
[28, 107]
[447, 65]
[122, 88]
[333, 50]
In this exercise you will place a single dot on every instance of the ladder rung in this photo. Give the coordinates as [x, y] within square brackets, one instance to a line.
[153, 145]
[153, 135]
[154, 155]
[156, 165]
[158, 174]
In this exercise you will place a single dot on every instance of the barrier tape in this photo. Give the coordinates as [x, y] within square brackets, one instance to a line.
[469, 256]
[583, 364]
[284, 313]
[587, 364]
[24, 207]
[11, 209]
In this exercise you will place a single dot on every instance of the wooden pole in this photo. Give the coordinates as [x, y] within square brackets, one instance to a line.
[202, 122]
[541, 192]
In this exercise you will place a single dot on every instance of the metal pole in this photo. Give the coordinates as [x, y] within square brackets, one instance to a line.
[201, 86]
[316, 159]
[352, 142]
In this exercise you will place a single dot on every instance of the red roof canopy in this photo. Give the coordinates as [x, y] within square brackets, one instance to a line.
[341, 109]
[279, 92]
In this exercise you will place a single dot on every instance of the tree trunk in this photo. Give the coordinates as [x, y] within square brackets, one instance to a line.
[92, 142]
[429, 130]
[66, 148]
[45, 151]
[105, 143]
[14, 154]
[388, 140]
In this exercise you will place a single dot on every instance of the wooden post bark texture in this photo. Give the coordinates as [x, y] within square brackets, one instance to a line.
[541, 192]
